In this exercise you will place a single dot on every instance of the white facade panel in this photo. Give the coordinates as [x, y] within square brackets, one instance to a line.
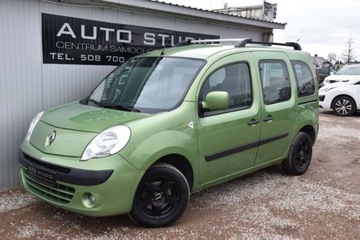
[27, 86]
[20, 80]
[65, 83]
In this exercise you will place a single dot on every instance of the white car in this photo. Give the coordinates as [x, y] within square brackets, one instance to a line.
[342, 97]
[347, 73]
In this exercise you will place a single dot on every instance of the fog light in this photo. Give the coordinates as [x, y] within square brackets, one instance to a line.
[91, 198]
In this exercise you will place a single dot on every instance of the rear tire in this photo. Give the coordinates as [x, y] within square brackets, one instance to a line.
[300, 154]
[161, 197]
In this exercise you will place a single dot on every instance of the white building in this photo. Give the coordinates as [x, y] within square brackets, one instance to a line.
[56, 51]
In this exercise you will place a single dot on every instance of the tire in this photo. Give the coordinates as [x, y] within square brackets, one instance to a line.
[344, 106]
[161, 197]
[300, 154]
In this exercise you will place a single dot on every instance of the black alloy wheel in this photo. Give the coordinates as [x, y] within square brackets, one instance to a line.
[161, 197]
[300, 154]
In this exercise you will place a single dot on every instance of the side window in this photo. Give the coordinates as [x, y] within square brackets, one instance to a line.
[275, 81]
[233, 79]
[304, 78]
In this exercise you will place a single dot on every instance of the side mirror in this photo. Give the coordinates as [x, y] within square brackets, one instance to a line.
[216, 100]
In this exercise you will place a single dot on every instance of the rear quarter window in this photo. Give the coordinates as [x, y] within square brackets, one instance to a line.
[304, 78]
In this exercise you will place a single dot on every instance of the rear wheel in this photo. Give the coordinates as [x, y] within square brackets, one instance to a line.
[161, 197]
[344, 106]
[300, 154]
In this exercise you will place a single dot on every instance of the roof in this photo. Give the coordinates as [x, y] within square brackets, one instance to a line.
[318, 61]
[217, 11]
[185, 12]
[281, 25]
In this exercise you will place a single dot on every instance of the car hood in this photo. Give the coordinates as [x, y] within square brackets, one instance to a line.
[343, 77]
[68, 129]
[79, 117]
[330, 86]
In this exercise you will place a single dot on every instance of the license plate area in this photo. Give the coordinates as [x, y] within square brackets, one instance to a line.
[44, 176]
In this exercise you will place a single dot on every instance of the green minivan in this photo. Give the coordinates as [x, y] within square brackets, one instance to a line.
[172, 122]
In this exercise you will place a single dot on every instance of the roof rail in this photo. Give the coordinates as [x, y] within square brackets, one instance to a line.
[239, 42]
[205, 41]
[295, 45]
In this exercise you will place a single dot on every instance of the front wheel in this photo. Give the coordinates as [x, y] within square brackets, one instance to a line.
[161, 197]
[344, 106]
[300, 154]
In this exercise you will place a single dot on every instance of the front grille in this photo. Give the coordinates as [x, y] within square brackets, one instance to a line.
[61, 194]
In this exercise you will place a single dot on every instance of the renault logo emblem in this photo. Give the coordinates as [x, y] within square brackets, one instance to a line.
[50, 139]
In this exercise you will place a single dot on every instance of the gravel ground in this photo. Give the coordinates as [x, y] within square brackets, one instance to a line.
[324, 203]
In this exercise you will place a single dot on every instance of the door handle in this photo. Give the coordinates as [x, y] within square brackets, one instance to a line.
[269, 118]
[253, 122]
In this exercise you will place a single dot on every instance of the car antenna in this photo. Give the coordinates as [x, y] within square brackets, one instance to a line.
[163, 51]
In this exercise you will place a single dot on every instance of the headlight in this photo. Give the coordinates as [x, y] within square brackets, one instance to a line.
[32, 125]
[329, 88]
[326, 88]
[106, 143]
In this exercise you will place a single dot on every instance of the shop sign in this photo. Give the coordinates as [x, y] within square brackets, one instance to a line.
[68, 40]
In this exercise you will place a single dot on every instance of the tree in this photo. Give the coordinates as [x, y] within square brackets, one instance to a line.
[332, 58]
[349, 53]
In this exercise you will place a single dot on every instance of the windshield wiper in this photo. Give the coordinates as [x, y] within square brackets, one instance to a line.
[98, 104]
[121, 107]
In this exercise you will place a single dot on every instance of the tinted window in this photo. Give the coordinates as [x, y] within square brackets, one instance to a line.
[304, 79]
[275, 81]
[233, 79]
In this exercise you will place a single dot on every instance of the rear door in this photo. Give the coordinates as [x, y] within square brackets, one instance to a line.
[279, 113]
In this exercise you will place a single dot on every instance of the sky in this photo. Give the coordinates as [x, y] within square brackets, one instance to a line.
[320, 26]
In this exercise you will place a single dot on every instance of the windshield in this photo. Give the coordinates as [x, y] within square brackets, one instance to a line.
[149, 85]
[349, 70]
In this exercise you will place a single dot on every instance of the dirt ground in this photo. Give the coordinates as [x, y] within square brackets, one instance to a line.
[324, 203]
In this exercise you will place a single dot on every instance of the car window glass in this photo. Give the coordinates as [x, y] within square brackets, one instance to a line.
[349, 70]
[304, 79]
[275, 81]
[149, 84]
[233, 79]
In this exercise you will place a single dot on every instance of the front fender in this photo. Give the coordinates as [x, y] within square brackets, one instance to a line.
[162, 144]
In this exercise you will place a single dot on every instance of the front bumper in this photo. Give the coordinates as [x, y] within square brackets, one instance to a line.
[324, 102]
[73, 185]
[48, 174]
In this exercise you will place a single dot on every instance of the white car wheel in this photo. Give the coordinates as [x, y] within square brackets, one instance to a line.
[344, 106]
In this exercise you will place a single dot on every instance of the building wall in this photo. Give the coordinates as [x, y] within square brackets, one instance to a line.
[27, 86]
[20, 80]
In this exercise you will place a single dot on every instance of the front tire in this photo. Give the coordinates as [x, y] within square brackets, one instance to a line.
[344, 106]
[300, 154]
[161, 197]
